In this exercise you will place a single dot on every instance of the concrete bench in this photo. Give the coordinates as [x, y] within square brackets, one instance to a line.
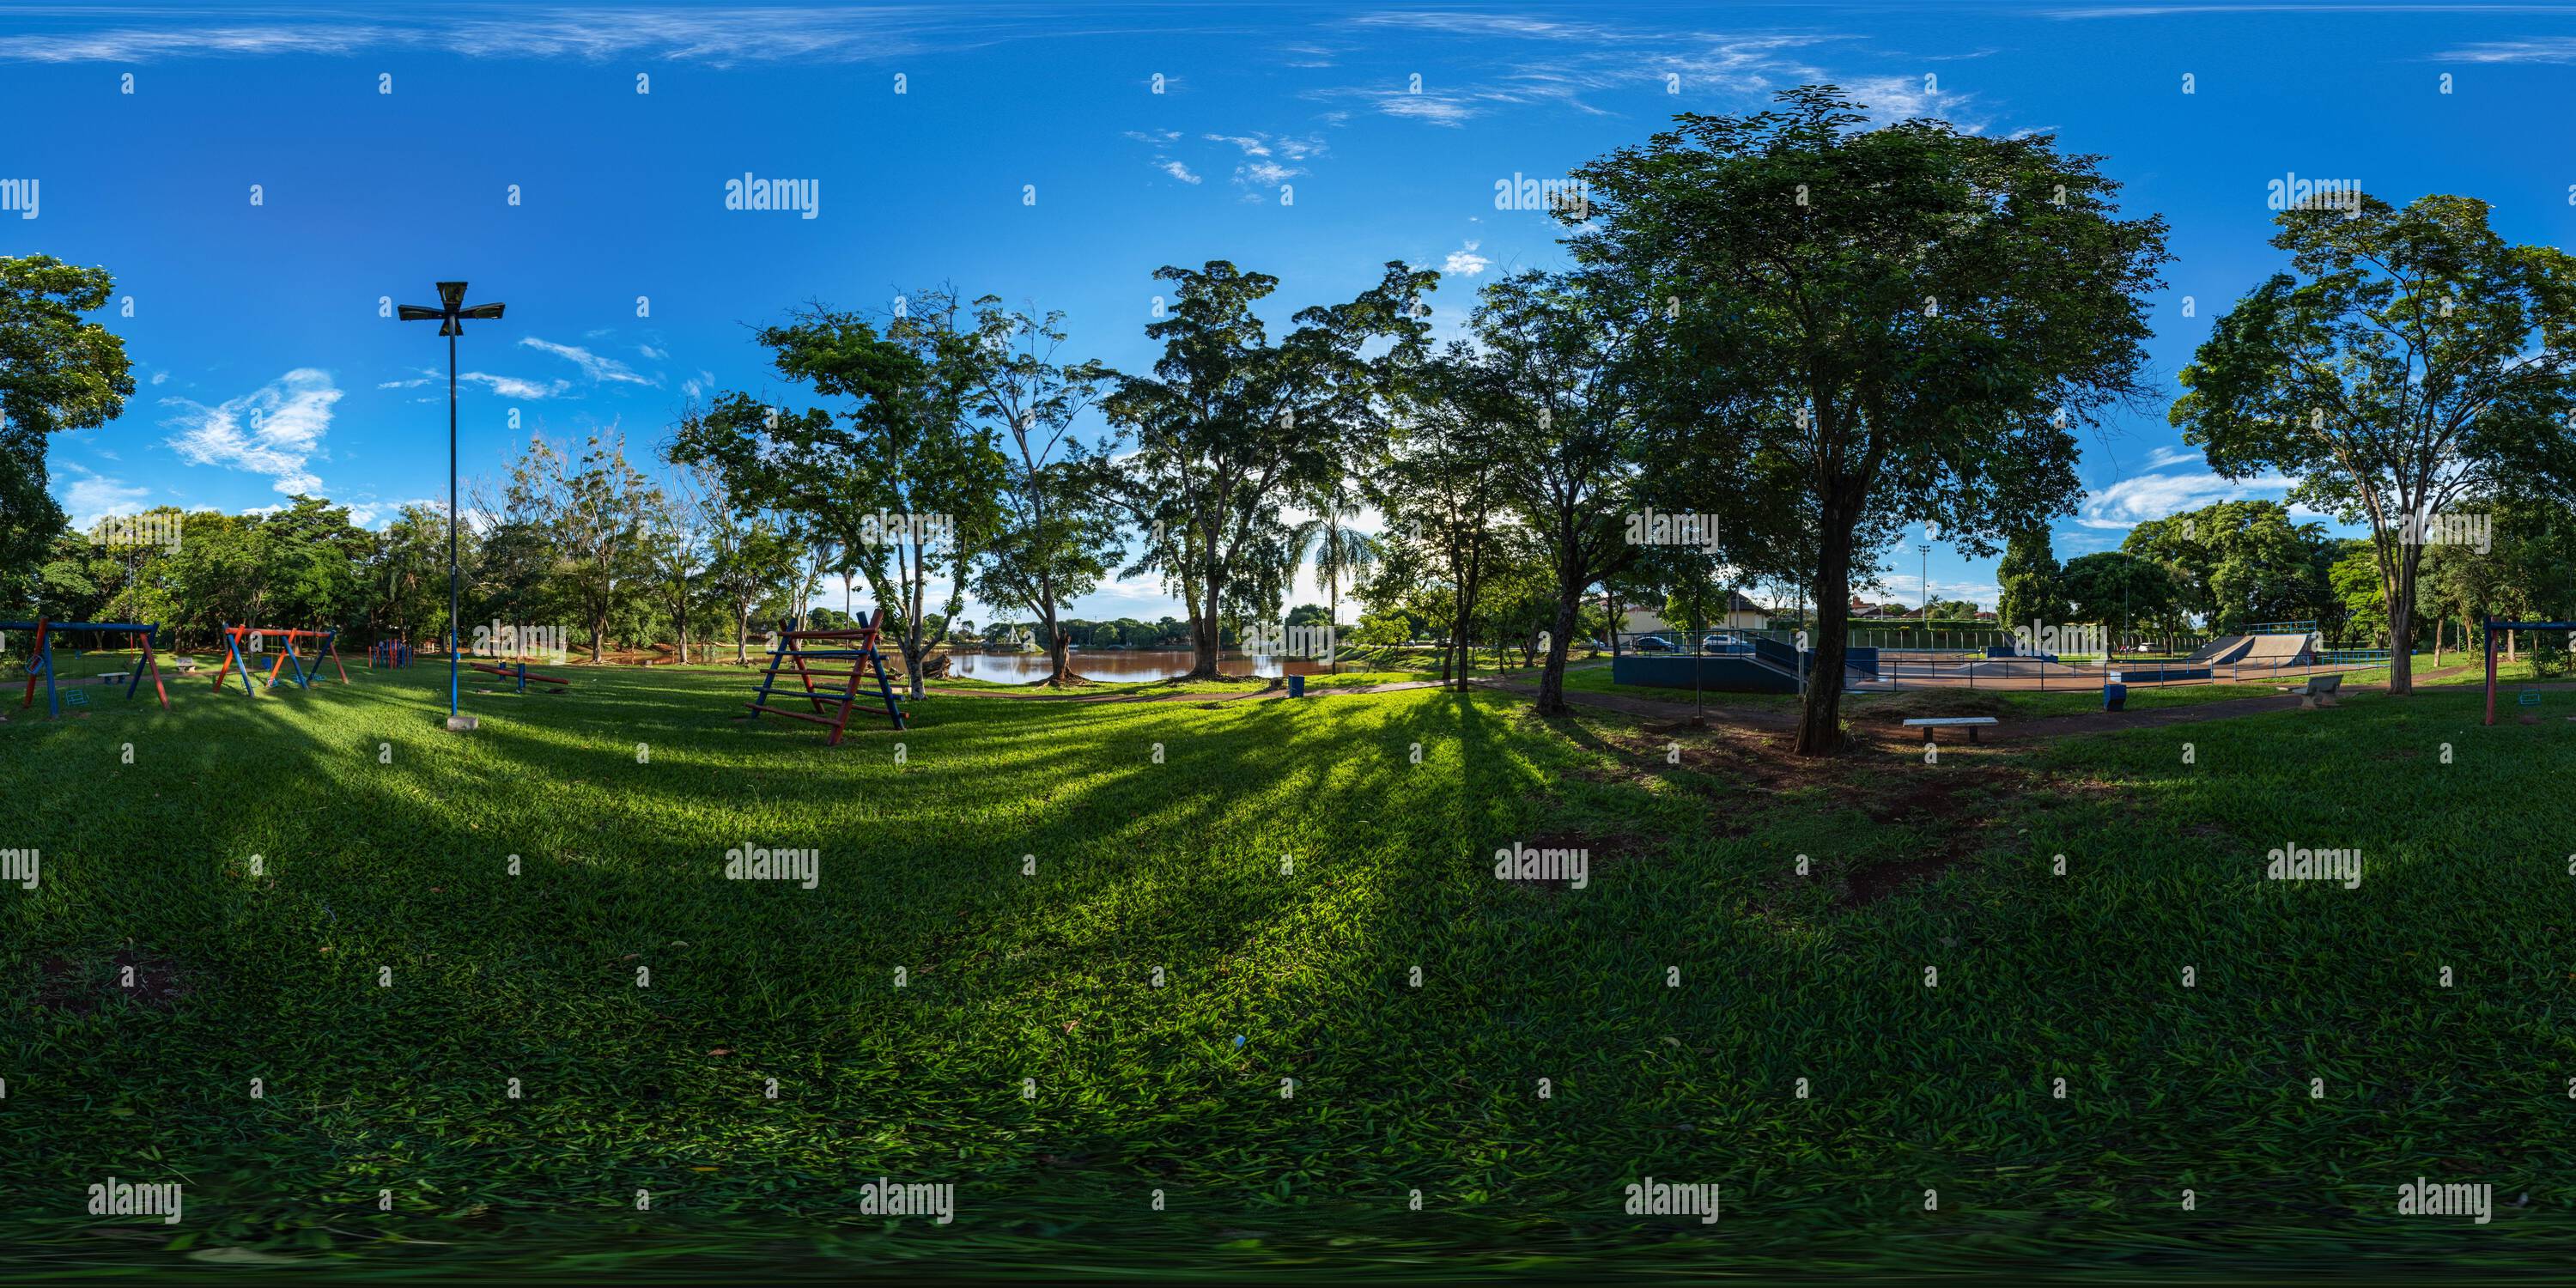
[114, 677]
[2318, 691]
[1970, 723]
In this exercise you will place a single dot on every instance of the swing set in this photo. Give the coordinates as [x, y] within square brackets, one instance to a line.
[831, 703]
[255, 636]
[393, 654]
[2528, 697]
[41, 661]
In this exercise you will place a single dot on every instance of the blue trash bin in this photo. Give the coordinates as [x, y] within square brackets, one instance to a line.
[2115, 697]
[1296, 686]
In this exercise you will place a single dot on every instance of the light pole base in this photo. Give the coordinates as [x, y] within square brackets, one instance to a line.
[461, 724]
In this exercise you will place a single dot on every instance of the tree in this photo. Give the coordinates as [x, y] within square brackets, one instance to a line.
[2118, 590]
[57, 372]
[898, 477]
[1441, 489]
[1558, 349]
[2355, 581]
[1055, 526]
[675, 546]
[2238, 563]
[2028, 579]
[596, 514]
[1341, 553]
[2403, 359]
[1228, 424]
[1905, 321]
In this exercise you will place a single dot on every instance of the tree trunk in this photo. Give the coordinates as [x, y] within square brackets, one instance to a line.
[1551, 680]
[1820, 726]
[2401, 623]
[1207, 635]
[912, 655]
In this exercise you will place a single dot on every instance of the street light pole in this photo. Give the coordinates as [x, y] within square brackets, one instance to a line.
[450, 315]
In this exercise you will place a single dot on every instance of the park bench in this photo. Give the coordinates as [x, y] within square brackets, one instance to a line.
[114, 677]
[1971, 723]
[2318, 691]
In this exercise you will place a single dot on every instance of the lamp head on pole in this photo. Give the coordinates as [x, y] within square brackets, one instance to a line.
[451, 312]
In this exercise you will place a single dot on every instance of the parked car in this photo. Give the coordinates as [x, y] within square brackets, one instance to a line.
[1718, 641]
[1654, 644]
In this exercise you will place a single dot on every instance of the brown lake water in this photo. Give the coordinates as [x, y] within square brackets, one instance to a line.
[1119, 667]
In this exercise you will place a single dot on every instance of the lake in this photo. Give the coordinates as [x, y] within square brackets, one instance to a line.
[1119, 667]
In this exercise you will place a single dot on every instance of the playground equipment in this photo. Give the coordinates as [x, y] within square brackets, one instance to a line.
[2527, 697]
[236, 636]
[857, 647]
[519, 671]
[40, 662]
[391, 654]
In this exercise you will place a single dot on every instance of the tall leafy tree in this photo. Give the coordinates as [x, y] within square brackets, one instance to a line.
[57, 372]
[1229, 424]
[2028, 580]
[1342, 554]
[2119, 591]
[1442, 488]
[1561, 348]
[1907, 321]
[2239, 563]
[596, 511]
[2403, 360]
[1054, 532]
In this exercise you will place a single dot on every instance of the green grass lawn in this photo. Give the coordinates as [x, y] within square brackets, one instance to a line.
[1286, 867]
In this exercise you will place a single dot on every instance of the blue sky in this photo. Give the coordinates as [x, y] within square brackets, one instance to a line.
[367, 195]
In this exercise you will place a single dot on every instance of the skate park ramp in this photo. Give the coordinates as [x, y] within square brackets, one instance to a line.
[2220, 651]
[2275, 650]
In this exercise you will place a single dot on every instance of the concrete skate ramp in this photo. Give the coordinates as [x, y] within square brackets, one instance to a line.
[2275, 650]
[2224, 649]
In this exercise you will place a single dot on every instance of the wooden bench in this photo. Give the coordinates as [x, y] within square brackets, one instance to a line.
[1971, 723]
[2318, 691]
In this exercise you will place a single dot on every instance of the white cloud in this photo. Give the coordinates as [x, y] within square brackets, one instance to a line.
[273, 430]
[1266, 173]
[592, 365]
[715, 37]
[652, 354]
[160, 377]
[1177, 171]
[92, 496]
[2164, 456]
[1465, 262]
[513, 386]
[2133, 501]
[1430, 109]
[1582, 60]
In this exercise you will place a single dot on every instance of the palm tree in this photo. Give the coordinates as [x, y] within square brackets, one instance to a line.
[1341, 554]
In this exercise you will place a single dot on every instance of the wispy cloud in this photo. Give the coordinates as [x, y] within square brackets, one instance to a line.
[2133, 501]
[515, 387]
[273, 430]
[2539, 49]
[1177, 170]
[596, 366]
[719, 37]
[1585, 60]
